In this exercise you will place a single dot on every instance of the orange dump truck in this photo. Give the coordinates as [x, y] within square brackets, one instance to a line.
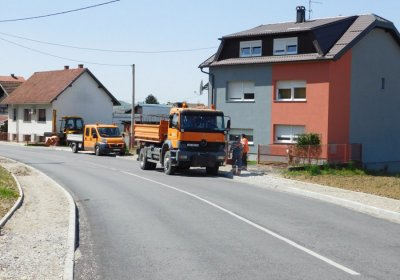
[192, 137]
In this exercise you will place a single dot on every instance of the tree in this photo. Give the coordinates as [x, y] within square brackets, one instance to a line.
[308, 146]
[151, 99]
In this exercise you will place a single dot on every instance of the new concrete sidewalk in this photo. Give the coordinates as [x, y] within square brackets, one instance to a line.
[38, 240]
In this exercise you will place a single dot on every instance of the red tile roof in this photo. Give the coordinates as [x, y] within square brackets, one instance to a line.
[45, 87]
[10, 83]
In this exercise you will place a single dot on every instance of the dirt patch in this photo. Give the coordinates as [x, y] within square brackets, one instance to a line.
[20, 171]
[4, 160]
[5, 206]
[386, 186]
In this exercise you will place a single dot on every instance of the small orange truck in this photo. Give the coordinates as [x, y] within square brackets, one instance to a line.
[191, 137]
[99, 138]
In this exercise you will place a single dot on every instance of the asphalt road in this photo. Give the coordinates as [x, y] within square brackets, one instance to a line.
[138, 224]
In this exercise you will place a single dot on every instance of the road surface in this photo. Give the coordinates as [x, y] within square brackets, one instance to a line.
[136, 224]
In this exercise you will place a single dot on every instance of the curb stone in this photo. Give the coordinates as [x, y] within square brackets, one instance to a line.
[17, 204]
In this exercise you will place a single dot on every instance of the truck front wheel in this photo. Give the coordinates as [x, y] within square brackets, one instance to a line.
[168, 168]
[97, 151]
[144, 163]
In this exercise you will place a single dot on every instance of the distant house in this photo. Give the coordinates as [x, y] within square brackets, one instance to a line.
[7, 85]
[36, 106]
[146, 113]
[337, 77]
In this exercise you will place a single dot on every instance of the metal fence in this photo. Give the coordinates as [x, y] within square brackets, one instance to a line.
[292, 155]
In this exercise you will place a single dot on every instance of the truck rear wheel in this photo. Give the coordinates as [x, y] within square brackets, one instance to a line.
[212, 170]
[168, 168]
[74, 147]
[144, 163]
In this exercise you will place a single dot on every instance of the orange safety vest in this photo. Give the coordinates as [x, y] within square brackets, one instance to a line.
[245, 144]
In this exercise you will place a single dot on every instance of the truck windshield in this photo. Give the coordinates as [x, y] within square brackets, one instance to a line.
[109, 131]
[202, 122]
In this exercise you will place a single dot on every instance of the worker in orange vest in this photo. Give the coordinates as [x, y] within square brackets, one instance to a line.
[245, 144]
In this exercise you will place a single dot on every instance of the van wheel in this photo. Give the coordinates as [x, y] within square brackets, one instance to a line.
[168, 168]
[74, 147]
[212, 170]
[97, 151]
[144, 163]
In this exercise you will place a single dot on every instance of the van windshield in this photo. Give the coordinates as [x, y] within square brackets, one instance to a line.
[109, 131]
[202, 122]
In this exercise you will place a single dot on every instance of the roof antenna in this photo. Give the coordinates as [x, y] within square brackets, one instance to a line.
[309, 7]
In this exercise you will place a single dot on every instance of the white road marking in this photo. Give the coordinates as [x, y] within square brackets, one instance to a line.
[284, 239]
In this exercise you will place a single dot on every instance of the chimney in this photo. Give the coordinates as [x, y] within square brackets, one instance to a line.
[13, 76]
[300, 14]
[66, 67]
[80, 65]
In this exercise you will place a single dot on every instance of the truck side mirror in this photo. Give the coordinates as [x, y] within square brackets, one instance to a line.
[94, 135]
[228, 125]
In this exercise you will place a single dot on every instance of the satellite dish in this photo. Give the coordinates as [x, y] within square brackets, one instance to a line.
[202, 87]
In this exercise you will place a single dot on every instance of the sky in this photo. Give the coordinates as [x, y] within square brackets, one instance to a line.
[167, 39]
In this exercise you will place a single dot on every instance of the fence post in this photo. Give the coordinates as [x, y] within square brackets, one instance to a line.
[258, 154]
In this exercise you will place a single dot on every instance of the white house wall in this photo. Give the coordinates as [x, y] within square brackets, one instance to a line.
[33, 127]
[85, 99]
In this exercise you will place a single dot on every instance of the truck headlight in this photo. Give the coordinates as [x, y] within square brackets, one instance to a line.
[103, 140]
[220, 157]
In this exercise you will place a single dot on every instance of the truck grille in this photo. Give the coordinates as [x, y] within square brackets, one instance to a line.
[202, 146]
[115, 145]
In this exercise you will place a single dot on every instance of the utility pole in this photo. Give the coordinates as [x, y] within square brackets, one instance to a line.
[132, 134]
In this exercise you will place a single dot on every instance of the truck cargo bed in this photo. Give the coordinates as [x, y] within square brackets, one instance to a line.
[155, 133]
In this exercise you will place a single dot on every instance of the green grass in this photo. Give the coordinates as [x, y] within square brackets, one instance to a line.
[8, 187]
[8, 193]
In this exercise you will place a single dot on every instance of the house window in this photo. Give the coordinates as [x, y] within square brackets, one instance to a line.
[42, 115]
[27, 137]
[288, 133]
[250, 48]
[15, 114]
[238, 132]
[240, 91]
[291, 91]
[27, 115]
[285, 46]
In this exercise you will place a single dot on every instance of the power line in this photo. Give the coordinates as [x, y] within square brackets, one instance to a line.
[59, 13]
[107, 50]
[64, 58]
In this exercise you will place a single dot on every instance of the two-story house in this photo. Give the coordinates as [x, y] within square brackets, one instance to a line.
[337, 77]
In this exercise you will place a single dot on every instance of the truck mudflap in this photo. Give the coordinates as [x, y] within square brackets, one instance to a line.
[198, 159]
